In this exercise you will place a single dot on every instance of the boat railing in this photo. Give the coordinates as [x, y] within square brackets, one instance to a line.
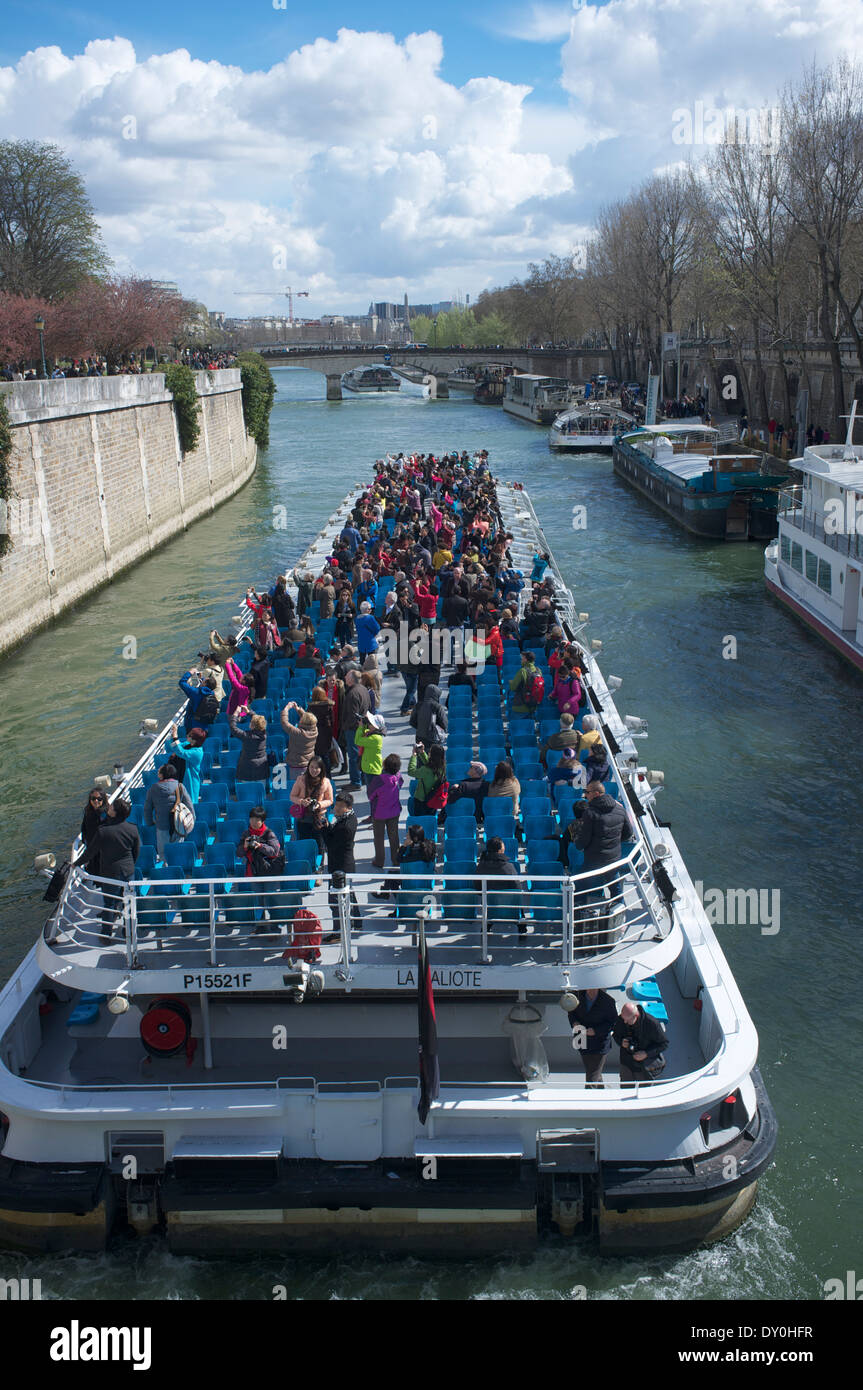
[451, 1101]
[798, 510]
[217, 918]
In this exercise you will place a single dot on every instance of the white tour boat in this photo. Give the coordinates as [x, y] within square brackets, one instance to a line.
[589, 429]
[368, 381]
[536, 398]
[815, 566]
[194, 1078]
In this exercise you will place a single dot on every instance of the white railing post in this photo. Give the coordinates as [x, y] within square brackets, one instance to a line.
[130, 918]
[568, 943]
[344, 906]
[484, 918]
[212, 898]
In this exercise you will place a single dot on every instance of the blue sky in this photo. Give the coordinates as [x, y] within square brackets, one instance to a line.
[252, 34]
[365, 152]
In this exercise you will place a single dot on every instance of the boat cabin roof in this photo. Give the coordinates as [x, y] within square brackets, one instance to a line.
[841, 464]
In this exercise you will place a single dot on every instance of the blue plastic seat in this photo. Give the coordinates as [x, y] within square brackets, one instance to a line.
[501, 825]
[646, 989]
[428, 823]
[215, 793]
[656, 1009]
[180, 855]
[459, 810]
[255, 790]
[536, 805]
[534, 787]
[227, 775]
[540, 827]
[498, 806]
[543, 852]
[146, 861]
[576, 858]
[230, 832]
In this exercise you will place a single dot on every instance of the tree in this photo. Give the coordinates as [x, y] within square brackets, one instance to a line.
[49, 239]
[114, 317]
[552, 290]
[822, 145]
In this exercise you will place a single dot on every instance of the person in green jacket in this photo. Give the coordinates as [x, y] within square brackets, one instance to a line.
[369, 738]
[521, 682]
[429, 768]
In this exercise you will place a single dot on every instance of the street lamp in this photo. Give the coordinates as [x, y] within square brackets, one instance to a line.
[434, 325]
[40, 329]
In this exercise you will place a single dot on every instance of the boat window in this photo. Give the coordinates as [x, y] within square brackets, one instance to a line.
[785, 549]
[825, 576]
[797, 557]
[811, 567]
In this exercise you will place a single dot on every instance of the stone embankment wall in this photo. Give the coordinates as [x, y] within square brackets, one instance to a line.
[98, 480]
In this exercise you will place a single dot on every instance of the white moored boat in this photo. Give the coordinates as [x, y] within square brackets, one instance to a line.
[193, 1078]
[815, 566]
[368, 381]
[589, 429]
[536, 398]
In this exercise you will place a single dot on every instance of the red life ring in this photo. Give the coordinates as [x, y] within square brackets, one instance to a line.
[166, 1027]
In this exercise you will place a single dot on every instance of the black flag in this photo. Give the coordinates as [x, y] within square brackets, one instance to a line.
[429, 1071]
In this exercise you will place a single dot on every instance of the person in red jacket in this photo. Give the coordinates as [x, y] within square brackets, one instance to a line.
[426, 595]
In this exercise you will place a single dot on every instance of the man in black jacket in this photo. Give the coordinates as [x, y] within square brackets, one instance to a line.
[599, 830]
[502, 905]
[339, 840]
[642, 1041]
[592, 1020]
[114, 849]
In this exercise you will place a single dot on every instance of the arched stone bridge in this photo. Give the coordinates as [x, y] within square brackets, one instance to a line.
[433, 365]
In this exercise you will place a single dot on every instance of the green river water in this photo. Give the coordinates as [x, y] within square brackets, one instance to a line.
[763, 776]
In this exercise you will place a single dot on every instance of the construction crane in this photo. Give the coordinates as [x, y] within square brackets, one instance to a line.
[289, 293]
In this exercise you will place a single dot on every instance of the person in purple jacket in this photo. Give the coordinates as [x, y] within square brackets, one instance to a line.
[385, 801]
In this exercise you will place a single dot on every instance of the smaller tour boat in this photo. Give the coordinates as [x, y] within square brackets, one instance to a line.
[589, 429]
[815, 566]
[536, 398]
[370, 380]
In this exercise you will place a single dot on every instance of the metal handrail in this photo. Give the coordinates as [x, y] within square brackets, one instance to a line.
[590, 924]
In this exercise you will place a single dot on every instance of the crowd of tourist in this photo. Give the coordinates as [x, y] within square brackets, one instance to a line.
[429, 532]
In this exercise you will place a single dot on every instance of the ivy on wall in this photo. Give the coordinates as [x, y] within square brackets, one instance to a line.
[180, 381]
[259, 390]
[5, 478]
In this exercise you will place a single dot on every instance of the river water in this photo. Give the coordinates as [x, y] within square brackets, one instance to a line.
[761, 753]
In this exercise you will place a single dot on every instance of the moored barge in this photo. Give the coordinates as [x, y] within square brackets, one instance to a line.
[686, 471]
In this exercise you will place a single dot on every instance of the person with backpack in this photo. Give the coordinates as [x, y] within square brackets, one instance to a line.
[527, 685]
[201, 693]
[431, 717]
[159, 804]
[432, 788]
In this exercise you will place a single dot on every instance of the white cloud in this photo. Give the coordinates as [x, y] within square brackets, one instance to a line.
[349, 165]
[536, 23]
[629, 64]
